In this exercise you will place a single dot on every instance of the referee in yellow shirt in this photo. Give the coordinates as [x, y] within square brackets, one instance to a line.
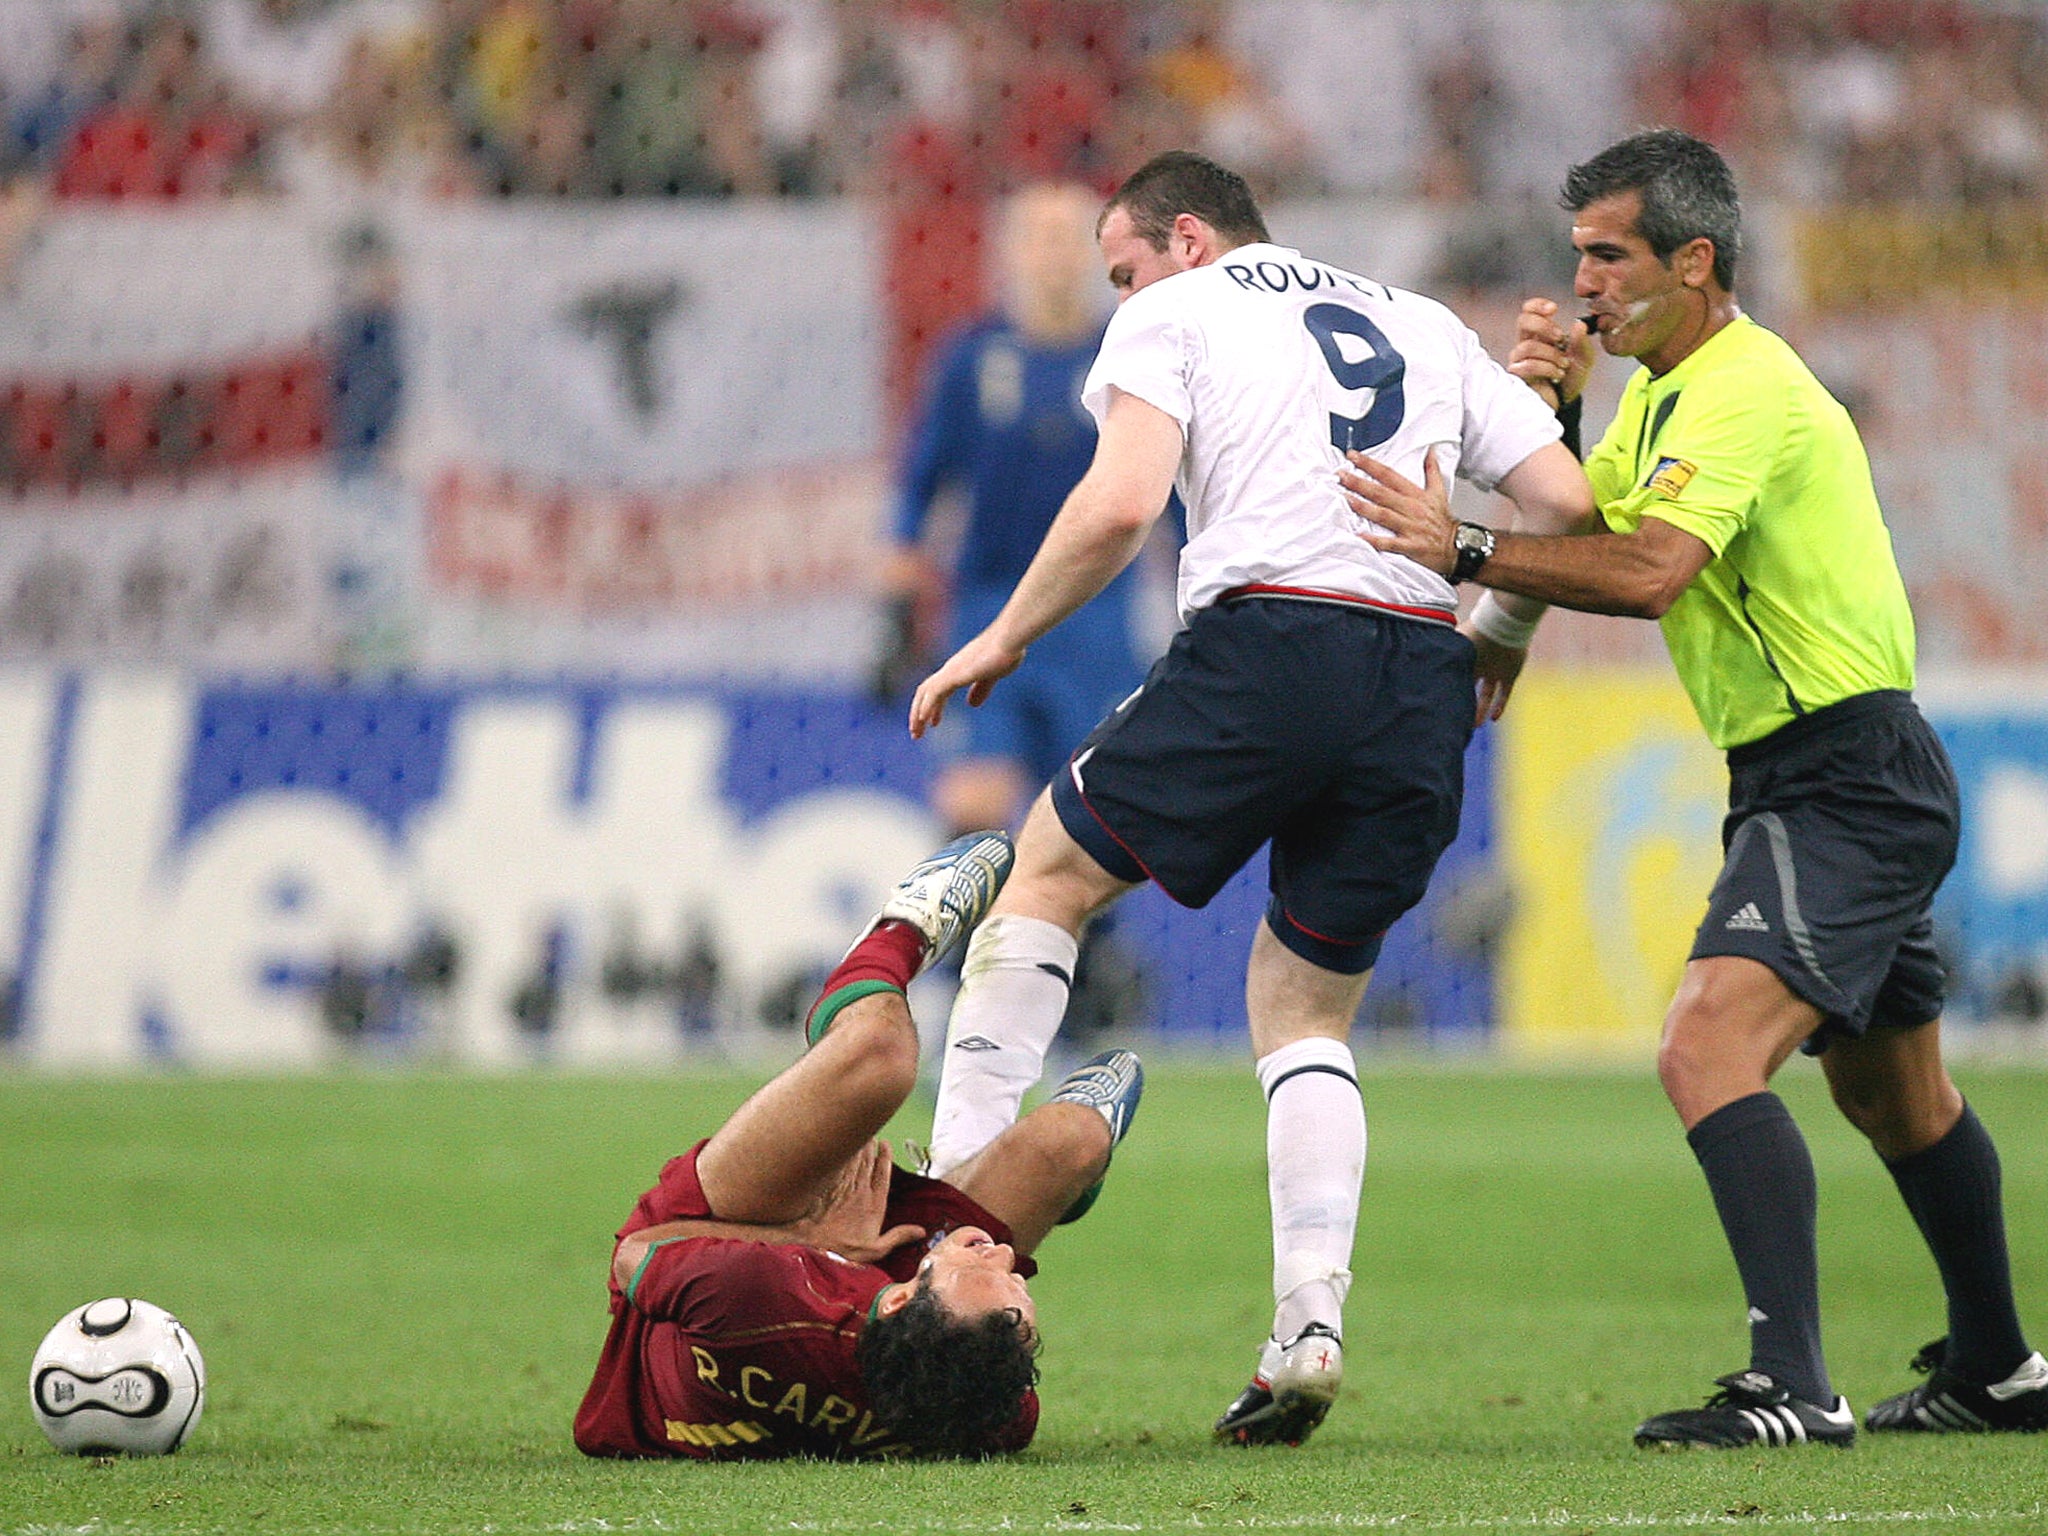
[1737, 509]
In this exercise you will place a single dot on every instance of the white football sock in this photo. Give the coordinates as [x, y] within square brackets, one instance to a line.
[1013, 994]
[1315, 1167]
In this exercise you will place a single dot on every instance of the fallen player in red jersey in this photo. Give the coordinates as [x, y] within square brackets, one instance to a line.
[786, 1290]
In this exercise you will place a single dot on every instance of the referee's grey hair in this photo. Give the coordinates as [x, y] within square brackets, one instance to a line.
[1687, 189]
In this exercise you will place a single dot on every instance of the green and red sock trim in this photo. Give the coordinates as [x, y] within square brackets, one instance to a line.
[883, 961]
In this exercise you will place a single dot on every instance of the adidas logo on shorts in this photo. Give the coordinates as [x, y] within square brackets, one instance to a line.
[1748, 919]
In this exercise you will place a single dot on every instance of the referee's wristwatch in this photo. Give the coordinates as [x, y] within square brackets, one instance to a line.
[1474, 544]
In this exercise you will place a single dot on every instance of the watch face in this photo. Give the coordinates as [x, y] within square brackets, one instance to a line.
[1474, 544]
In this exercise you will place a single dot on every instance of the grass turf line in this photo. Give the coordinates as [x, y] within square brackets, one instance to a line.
[398, 1285]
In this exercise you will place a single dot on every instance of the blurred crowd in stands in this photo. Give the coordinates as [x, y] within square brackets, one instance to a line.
[1864, 102]
[627, 98]
[1839, 100]
[928, 109]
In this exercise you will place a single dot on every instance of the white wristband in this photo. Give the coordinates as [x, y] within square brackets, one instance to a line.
[1491, 619]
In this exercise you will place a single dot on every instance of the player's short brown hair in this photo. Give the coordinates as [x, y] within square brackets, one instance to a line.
[948, 1386]
[1178, 182]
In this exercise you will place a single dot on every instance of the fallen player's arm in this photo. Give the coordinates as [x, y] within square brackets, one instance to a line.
[633, 1249]
[849, 1220]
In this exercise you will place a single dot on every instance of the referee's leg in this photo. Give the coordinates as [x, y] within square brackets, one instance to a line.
[1894, 1088]
[1731, 1026]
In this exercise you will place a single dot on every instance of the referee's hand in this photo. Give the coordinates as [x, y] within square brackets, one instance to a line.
[1552, 358]
[1401, 517]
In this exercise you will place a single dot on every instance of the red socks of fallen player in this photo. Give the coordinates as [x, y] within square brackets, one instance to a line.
[884, 961]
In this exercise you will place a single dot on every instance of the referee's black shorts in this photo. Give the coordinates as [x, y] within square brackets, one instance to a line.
[1841, 826]
[1336, 731]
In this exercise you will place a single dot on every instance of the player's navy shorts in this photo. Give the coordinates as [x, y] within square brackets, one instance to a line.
[1841, 826]
[914, 1200]
[1335, 731]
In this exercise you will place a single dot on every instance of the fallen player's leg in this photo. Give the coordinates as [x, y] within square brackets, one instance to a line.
[784, 1148]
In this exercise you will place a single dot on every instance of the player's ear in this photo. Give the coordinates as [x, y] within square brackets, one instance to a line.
[894, 1298]
[1694, 261]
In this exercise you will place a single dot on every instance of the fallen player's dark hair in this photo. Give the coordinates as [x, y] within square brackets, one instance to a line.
[948, 1386]
[1178, 182]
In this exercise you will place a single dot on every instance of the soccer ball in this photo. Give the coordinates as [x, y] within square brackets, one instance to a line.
[117, 1377]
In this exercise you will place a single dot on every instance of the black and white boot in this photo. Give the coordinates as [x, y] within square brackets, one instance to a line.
[1750, 1409]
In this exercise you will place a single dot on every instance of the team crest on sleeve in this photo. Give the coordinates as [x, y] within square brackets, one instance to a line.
[1671, 476]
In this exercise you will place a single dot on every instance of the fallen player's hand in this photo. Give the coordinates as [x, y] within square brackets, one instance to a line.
[848, 1220]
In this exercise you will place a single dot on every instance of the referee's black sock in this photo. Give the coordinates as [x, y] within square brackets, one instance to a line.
[1952, 1189]
[1761, 1176]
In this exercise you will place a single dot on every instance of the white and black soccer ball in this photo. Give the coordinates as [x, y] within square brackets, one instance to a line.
[117, 1377]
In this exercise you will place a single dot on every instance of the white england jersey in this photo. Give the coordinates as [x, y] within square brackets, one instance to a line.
[1270, 362]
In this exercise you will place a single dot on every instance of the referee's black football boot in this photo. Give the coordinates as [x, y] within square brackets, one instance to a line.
[1291, 1392]
[1949, 1403]
[1750, 1409]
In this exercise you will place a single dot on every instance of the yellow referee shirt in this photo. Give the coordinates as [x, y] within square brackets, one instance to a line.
[1802, 605]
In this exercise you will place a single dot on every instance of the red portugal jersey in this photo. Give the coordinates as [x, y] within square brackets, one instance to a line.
[729, 1350]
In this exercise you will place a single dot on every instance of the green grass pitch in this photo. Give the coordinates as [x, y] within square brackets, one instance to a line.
[398, 1285]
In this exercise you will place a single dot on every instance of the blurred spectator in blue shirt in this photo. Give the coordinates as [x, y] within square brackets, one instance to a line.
[1002, 426]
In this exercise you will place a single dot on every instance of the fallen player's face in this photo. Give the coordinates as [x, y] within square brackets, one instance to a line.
[971, 1273]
